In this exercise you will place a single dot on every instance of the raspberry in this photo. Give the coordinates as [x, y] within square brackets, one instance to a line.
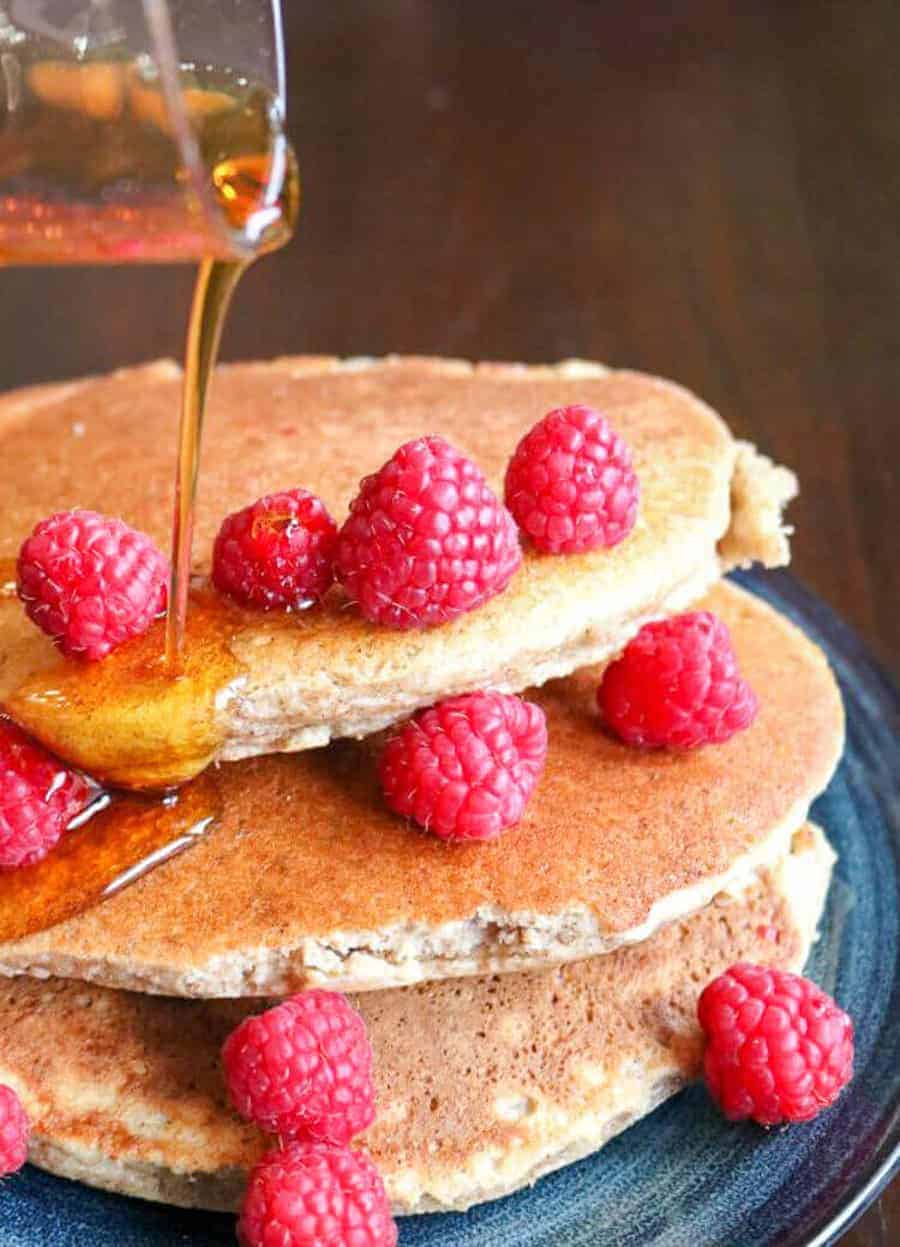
[277, 552]
[777, 1047]
[466, 767]
[303, 1069]
[316, 1195]
[39, 797]
[426, 539]
[91, 582]
[14, 1132]
[570, 484]
[677, 684]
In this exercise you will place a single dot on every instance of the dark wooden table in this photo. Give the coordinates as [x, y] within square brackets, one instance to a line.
[709, 191]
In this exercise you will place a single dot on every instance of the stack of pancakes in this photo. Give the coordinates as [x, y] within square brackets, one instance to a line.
[526, 998]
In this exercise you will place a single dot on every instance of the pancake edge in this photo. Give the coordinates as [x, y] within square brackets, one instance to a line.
[495, 940]
[802, 877]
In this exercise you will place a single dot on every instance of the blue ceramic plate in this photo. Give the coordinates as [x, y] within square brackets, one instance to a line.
[682, 1176]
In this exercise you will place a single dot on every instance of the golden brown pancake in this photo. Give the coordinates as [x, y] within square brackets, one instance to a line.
[483, 1084]
[289, 682]
[309, 879]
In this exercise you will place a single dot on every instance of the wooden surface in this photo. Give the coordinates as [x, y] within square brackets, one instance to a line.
[708, 196]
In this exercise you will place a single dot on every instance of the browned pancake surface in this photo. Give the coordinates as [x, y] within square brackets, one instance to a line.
[306, 847]
[109, 442]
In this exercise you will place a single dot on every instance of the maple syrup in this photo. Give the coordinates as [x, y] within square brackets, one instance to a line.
[116, 841]
[92, 170]
[125, 721]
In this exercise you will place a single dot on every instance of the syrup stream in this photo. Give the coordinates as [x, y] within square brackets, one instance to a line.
[216, 281]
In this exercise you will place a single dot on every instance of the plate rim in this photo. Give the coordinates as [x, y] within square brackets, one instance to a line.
[884, 1162]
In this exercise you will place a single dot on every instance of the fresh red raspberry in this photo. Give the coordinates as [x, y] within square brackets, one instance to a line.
[14, 1132]
[316, 1195]
[39, 797]
[465, 768]
[279, 552]
[777, 1047]
[303, 1069]
[570, 484]
[678, 685]
[426, 539]
[91, 582]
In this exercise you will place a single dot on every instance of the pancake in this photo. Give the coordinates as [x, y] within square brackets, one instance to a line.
[309, 879]
[483, 1085]
[289, 682]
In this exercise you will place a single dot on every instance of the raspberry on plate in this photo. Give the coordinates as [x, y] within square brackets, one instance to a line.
[678, 685]
[570, 485]
[91, 582]
[777, 1047]
[39, 797]
[316, 1195]
[465, 768]
[14, 1132]
[278, 552]
[303, 1069]
[426, 539]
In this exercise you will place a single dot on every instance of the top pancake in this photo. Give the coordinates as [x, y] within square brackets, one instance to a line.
[309, 879]
[291, 682]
